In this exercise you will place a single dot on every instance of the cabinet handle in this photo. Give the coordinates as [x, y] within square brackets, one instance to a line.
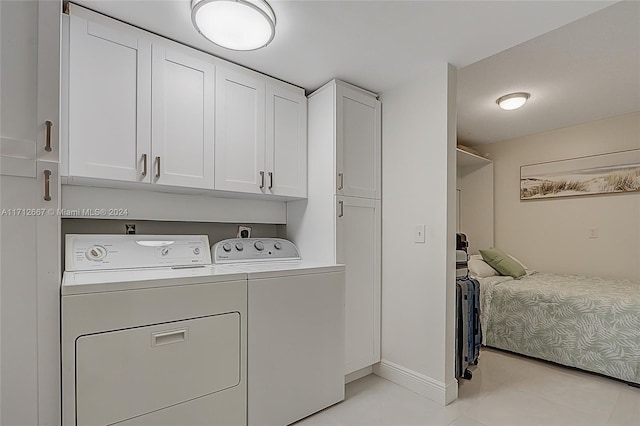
[158, 168]
[261, 179]
[270, 180]
[47, 144]
[47, 185]
[341, 206]
[341, 180]
[174, 336]
[144, 165]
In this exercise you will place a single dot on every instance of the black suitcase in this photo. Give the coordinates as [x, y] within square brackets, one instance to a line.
[468, 330]
[462, 330]
[475, 331]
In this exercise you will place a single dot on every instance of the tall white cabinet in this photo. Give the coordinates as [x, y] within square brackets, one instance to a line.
[340, 221]
[29, 225]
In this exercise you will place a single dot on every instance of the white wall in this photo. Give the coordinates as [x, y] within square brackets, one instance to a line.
[418, 186]
[551, 235]
[152, 205]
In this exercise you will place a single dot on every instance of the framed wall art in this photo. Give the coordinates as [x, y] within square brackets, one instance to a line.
[596, 174]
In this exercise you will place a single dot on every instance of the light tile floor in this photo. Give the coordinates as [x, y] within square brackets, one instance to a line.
[506, 389]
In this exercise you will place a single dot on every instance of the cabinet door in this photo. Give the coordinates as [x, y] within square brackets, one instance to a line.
[239, 147]
[48, 291]
[48, 80]
[286, 138]
[109, 101]
[182, 118]
[19, 99]
[18, 304]
[358, 247]
[358, 140]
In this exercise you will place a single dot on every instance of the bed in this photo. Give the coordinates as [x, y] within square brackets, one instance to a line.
[588, 323]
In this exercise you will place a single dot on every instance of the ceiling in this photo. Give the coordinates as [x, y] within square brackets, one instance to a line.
[379, 44]
[583, 71]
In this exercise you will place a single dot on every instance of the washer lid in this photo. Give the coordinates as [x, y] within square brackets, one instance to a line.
[89, 252]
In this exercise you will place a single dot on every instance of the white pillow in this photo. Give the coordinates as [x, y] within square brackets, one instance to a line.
[478, 268]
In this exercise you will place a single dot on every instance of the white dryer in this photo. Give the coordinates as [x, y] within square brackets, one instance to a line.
[296, 330]
[152, 333]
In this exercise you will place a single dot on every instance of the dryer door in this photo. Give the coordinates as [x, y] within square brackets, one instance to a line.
[128, 373]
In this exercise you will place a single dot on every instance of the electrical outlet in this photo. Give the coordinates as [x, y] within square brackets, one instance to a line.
[419, 234]
[244, 232]
[592, 233]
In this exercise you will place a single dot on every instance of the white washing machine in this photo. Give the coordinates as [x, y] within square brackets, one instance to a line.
[296, 329]
[152, 333]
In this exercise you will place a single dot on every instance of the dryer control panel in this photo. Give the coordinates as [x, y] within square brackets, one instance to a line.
[241, 250]
[86, 252]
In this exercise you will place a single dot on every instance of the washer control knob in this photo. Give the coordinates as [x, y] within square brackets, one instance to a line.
[226, 247]
[196, 250]
[259, 245]
[277, 245]
[239, 246]
[96, 253]
[164, 251]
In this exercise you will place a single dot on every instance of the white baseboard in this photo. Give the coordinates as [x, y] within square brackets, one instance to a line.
[435, 390]
[358, 374]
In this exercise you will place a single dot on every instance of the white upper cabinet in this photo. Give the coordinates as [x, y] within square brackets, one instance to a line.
[261, 135]
[109, 101]
[145, 109]
[358, 136]
[115, 131]
[182, 116]
[286, 142]
[240, 134]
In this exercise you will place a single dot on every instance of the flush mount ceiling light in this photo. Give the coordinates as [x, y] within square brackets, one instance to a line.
[235, 24]
[513, 100]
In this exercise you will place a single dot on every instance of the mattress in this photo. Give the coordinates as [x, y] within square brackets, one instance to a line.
[583, 322]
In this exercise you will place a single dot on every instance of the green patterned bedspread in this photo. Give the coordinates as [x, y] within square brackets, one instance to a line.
[589, 323]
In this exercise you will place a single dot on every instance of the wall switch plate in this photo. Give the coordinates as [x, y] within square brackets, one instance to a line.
[592, 233]
[418, 234]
